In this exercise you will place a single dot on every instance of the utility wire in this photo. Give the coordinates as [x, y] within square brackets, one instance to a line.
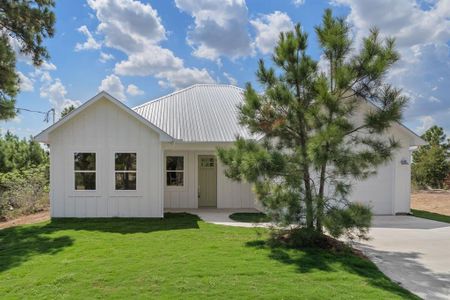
[46, 113]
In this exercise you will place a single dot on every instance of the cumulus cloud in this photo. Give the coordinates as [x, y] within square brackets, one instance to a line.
[298, 2]
[220, 28]
[90, 43]
[113, 85]
[426, 122]
[56, 93]
[136, 29]
[268, 28]
[133, 90]
[104, 57]
[422, 32]
[231, 79]
[26, 83]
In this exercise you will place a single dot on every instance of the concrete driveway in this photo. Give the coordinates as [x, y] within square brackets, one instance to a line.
[412, 251]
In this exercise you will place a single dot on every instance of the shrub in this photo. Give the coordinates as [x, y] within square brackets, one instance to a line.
[24, 191]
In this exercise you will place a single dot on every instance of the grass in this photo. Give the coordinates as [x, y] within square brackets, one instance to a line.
[177, 257]
[249, 217]
[430, 215]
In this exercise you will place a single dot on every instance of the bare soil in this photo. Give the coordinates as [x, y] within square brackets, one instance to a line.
[433, 201]
[34, 218]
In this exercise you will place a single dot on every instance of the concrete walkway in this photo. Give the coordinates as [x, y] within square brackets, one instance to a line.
[220, 216]
[413, 252]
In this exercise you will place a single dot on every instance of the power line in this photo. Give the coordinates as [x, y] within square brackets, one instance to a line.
[46, 113]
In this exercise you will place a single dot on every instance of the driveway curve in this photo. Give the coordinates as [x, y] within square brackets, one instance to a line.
[412, 251]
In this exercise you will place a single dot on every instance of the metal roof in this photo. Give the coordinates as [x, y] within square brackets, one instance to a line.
[199, 113]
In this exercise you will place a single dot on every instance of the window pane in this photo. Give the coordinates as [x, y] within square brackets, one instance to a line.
[125, 161]
[84, 181]
[175, 178]
[174, 163]
[84, 161]
[125, 181]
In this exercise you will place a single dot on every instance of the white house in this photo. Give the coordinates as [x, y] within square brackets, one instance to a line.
[108, 160]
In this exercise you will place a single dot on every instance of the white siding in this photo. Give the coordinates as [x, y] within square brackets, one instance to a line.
[229, 194]
[105, 129]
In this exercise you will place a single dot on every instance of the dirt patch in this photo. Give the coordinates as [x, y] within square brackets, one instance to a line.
[30, 219]
[435, 201]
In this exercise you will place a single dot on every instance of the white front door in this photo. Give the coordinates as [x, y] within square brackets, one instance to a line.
[207, 181]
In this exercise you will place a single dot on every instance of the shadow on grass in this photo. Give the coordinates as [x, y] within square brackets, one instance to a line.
[171, 221]
[313, 259]
[21, 243]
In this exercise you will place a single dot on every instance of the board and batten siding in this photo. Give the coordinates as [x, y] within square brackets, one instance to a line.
[104, 128]
[230, 194]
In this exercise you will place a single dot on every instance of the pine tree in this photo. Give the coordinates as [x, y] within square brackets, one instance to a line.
[67, 110]
[431, 163]
[26, 22]
[308, 147]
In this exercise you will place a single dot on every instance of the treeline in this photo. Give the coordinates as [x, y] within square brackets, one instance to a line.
[24, 176]
[431, 162]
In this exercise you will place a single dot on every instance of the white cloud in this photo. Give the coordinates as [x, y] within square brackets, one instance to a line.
[46, 66]
[231, 79]
[185, 77]
[268, 28]
[56, 93]
[26, 84]
[220, 28]
[298, 2]
[113, 86]
[104, 57]
[128, 25]
[133, 90]
[422, 32]
[90, 43]
[136, 29]
[426, 123]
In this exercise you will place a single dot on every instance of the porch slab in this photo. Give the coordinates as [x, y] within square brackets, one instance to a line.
[220, 216]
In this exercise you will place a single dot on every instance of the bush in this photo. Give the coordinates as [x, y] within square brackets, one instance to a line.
[24, 192]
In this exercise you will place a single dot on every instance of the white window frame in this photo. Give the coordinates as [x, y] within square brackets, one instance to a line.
[85, 171]
[175, 187]
[125, 171]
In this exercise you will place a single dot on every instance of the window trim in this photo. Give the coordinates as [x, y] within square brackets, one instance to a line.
[72, 158]
[125, 171]
[175, 187]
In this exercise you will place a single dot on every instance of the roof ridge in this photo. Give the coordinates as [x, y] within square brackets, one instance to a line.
[183, 90]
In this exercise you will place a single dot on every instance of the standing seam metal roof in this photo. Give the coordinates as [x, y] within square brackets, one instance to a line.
[199, 113]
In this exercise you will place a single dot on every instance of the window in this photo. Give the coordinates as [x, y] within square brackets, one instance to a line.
[207, 162]
[84, 171]
[174, 170]
[125, 171]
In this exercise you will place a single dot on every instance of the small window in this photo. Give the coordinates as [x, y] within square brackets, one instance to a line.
[125, 171]
[207, 162]
[84, 167]
[174, 170]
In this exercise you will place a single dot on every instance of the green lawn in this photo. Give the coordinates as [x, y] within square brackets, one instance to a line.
[429, 215]
[250, 217]
[178, 257]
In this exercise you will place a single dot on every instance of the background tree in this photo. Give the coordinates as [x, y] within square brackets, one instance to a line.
[431, 164]
[27, 23]
[311, 146]
[67, 110]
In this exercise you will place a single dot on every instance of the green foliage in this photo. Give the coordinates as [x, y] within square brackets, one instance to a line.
[308, 147]
[431, 163]
[23, 192]
[24, 176]
[67, 110]
[26, 23]
[16, 154]
[430, 215]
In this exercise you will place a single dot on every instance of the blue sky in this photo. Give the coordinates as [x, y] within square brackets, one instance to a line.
[139, 50]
